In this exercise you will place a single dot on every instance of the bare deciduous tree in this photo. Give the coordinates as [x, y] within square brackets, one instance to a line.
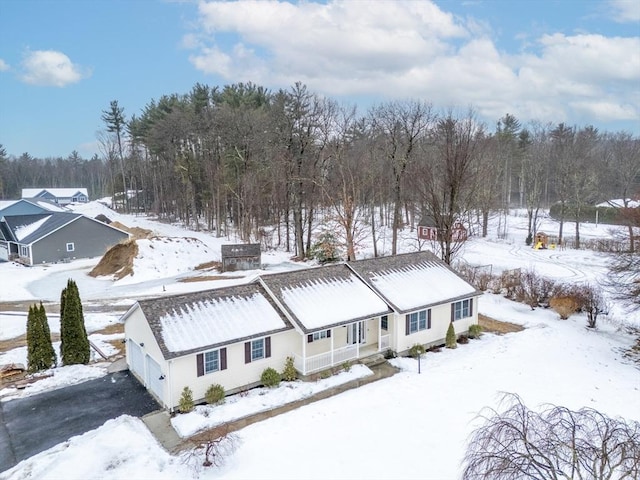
[556, 443]
[212, 447]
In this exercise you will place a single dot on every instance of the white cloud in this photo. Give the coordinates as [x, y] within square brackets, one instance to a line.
[50, 68]
[4, 66]
[407, 49]
[625, 10]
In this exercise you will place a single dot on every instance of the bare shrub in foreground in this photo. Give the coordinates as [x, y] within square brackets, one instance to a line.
[212, 447]
[556, 443]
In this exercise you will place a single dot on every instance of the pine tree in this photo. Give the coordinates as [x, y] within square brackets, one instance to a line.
[32, 340]
[450, 339]
[40, 352]
[49, 353]
[74, 346]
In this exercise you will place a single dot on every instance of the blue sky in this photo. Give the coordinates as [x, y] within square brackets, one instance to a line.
[62, 62]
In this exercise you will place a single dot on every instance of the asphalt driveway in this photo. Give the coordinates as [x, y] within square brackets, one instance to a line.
[33, 424]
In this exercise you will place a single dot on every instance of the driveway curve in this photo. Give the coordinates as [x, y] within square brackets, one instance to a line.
[33, 424]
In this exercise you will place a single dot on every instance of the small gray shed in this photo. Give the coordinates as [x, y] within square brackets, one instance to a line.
[241, 256]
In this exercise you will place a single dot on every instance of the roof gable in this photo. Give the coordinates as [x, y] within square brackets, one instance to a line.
[323, 297]
[54, 192]
[183, 324]
[412, 281]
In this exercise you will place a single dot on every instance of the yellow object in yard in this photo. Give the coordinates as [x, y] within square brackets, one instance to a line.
[552, 246]
[538, 246]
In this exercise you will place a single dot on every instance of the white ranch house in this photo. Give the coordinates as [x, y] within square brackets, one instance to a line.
[322, 317]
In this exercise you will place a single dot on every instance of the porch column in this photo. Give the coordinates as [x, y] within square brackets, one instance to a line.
[331, 346]
[304, 354]
[358, 339]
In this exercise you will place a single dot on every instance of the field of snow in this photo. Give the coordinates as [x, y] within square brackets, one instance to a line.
[408, 426]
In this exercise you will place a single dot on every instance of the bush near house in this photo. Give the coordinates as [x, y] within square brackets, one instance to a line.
[40, 352]
[270, 378]
[475, 331]
[186, 405]
[74, 343]
[416, 350]
[451, 339]
[289, 374]
[214, 394]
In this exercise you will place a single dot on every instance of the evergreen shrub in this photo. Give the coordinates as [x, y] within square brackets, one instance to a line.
[270, 378]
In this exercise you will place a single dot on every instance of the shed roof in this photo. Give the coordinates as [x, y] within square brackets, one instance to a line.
[240, 250]
[324, 297]
[184, 324]
[413, 281]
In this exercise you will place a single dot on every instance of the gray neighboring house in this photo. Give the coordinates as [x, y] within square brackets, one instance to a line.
[28, 206]
[241, 256]
[60, 196]
[55, 237]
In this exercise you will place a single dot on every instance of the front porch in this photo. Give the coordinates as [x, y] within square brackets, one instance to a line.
[359, 345]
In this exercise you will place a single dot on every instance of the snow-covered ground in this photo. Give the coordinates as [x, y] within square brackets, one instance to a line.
[410, 425]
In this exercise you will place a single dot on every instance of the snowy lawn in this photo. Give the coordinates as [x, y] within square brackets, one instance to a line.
[259, 400]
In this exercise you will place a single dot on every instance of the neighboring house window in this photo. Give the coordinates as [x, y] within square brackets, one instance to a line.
[384, 322]
[313, 337]
[211, 361]
[257, 349]
[24, 251]
[417, 321]
[70, 247]
[462, 309]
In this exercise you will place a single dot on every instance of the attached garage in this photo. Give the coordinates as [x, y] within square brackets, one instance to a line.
[154, 378]
[136, 358]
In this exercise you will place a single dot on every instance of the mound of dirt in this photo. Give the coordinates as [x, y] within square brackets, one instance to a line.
[117, 261]
[137, 232]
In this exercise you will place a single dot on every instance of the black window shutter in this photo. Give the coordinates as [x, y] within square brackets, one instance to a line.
[429, 318]
[310, 338]
[329, 333]
[200, 364]
[406, 324]
[471, 307]
[453, 309]
[247, 352]
[267, 347]
[223, 358]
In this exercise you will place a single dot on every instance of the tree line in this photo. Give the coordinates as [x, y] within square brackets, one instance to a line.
[273, 166]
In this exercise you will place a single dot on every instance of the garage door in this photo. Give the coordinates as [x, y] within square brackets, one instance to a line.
[136, 358]
[4, 252]
[153, 381]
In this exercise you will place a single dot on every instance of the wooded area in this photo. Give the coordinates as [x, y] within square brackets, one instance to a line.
[273, 165]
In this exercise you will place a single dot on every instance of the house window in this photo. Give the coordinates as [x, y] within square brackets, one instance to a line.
[24, 251]
[384, 322]
[417, 321]
[313, 337]
[70, 247]
[462, 309]
[211, 361]
[257, 350]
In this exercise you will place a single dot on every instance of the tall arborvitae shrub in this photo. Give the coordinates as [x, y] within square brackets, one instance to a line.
[40, 352]
[74, 347]
[450, 339]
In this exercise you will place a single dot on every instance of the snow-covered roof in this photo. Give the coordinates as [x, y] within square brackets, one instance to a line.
[619, 203]
[413, 281]
[6, 203]
[57, 192]
[23, 231]
[193, 322]
[322, 297]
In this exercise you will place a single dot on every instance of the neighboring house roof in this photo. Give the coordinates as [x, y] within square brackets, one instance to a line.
[619, 203]
[56, 192]
[184, 324]
[28, 229]
[324, 297]
[240, 250]
[412, 281]
[40, 203]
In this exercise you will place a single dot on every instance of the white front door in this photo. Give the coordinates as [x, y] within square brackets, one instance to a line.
[356, 333]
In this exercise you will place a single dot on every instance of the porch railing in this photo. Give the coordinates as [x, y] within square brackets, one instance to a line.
[385, 342]
[324, 360]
